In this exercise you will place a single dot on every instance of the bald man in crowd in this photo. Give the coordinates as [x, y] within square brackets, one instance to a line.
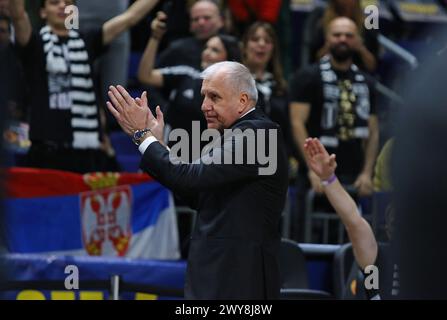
[334, 101]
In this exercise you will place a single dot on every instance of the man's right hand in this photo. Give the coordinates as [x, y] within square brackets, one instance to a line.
[158, 25]
[321, 164]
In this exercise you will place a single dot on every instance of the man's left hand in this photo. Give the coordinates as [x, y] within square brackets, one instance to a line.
[364, 184]
[129, 114]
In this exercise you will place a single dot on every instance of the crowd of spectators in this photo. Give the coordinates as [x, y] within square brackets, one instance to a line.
[333, 97]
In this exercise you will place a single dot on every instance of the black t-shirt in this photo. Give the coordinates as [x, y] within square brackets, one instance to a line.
[185, 100]
[186, 52]
[14, 89]
[307, 87]
[388, 275]
[47, 124]
[182, 52]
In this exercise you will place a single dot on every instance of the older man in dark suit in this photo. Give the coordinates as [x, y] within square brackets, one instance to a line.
[235, 244]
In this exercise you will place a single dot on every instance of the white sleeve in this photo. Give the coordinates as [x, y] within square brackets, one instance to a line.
[146, 143]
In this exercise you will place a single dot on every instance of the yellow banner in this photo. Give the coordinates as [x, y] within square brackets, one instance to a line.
[365, 3]
[419, 8]
[302, 2]
[72, 295]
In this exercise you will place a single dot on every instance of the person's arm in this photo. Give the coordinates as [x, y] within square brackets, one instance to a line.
[146, 72]
[299, 113]
[359, 231]
[132, 115]
[382, 179]
[137, 109]
[364, 182]
[21, 22]
[372, 144]
[211, 173]
[363, 241]
[367, 57]
[117, 25]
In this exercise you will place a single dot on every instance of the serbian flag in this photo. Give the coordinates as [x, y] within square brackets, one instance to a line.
[98, 214]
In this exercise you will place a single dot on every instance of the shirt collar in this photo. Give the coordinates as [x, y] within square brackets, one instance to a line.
[252, 109]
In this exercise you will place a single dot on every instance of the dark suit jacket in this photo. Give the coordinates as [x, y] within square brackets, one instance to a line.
[235, 243]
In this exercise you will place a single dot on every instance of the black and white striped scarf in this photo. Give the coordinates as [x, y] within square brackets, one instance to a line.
[346, 105]
[70, 86]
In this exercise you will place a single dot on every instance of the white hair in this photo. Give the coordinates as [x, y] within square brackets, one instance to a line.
[239, 76]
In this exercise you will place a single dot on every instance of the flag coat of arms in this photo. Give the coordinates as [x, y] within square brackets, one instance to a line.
[99, 214]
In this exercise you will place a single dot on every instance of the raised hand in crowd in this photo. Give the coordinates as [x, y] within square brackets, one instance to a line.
[158, 25]
[146, 72]
[319, 160]
[319, 163]
[359, 231]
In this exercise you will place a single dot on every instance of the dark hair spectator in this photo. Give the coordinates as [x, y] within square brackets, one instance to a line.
[261, 55]
[270, 62]
[232, 47]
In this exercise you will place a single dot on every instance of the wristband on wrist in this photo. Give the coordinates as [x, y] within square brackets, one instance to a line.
[330, 180]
